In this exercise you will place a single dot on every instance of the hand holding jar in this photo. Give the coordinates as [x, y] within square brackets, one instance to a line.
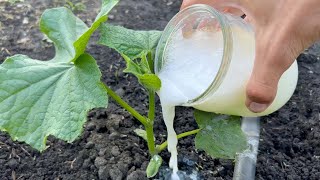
[283, 29]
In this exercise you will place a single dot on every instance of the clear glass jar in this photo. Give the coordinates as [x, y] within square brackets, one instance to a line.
[225, 91]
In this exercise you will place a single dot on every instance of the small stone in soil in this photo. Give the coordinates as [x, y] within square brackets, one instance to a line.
[123, 167]
[120, 91]
[100, 161]
[86, 163]
[102, 151]
[137, 175]
[89, 145]
[111, 16]
[115, 151]
[103, 172]
[90, 126]
[12, 163]
[115, 174]
[114, 136]
[114, 122]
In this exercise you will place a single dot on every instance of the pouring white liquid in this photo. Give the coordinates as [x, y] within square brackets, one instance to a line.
[192, 64]
[186, 77]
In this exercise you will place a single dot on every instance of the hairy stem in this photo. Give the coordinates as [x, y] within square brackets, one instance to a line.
[149, 127]
[152, 105]
[150, 61]
[162, 146]
[127, 107]
[150, 139]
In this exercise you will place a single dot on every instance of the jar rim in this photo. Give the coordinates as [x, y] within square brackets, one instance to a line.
[227, 46]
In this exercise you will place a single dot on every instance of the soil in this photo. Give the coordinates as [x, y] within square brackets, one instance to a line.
[108, 148]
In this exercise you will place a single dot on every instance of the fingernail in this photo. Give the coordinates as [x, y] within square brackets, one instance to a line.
[257, 107]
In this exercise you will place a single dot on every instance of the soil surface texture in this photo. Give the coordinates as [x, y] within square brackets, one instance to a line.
[108, 148]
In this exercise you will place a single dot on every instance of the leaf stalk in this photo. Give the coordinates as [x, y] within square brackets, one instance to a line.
[162, 146]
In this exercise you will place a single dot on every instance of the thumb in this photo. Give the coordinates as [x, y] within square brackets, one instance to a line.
[270, 64]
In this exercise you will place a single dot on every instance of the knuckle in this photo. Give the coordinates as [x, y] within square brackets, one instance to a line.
[261, 92]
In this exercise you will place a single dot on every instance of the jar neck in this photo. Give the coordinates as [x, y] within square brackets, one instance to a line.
[169, 31]
[224, 24]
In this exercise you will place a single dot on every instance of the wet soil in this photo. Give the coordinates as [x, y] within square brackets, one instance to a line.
[108, 148]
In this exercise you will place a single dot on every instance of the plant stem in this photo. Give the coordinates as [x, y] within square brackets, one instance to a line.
[150, 139]
[150, 61]
[152, 105]
[127, 107]
[149, 127]
[162, 146]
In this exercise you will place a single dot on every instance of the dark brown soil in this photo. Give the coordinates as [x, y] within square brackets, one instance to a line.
[108, 148]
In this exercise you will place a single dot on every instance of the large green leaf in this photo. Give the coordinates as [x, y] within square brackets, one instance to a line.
[69, 34]
[129, 42]
[220, 136]
[40, 98]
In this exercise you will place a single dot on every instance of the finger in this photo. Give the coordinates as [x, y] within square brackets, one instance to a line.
[270, 64]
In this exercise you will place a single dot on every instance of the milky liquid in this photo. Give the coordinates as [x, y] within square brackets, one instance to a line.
[190, 67]
[192, 64]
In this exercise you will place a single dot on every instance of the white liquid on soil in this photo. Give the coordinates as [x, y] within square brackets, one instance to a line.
[191, 65]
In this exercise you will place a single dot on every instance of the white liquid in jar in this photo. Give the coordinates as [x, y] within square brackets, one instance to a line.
[191, 65]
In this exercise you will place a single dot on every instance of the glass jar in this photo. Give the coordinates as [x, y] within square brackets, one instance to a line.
[230, 52]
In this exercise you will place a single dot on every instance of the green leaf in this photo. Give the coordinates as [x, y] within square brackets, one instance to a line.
[107, 6]
[134, 45]
[153, 166]
[131, 43]
[220, 136]
[150, 81]
[42, 98]
[144, 65]
[69, 34]
[141, 133]
[132, 67]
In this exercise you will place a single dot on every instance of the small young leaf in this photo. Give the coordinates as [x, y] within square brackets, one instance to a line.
[144, 65]
[42, 98]
[153, 166]
[132, 67]
[220, 136]
[150, 81]
[129, 42]
[141, 133]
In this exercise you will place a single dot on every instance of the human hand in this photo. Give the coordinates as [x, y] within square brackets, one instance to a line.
[283, 29]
